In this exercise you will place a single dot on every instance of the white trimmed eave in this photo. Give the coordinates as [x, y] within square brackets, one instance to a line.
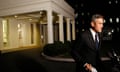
[60, 6]
[20, 6]
[12, 7]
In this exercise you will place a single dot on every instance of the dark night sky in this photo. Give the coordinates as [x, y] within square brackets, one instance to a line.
[108, 8]
[100, 6]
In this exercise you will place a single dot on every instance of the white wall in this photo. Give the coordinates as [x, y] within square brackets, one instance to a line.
[26, 33]
[13, 33]
[13, 40]
[1, 34]
[36, 35]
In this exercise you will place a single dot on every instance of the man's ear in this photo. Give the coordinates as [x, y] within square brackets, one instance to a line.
[92, 24]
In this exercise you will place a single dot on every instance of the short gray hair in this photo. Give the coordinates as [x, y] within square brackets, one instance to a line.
[96, 16]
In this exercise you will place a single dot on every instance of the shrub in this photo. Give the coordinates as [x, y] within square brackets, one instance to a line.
[57, 48]
[53, 49]
[67, 46]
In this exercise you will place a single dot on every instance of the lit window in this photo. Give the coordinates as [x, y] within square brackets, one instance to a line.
[111, 20]
[83, 29]
[117, 20]
[109, 33]
[88, 13]
[82, 4]
[76, 15]
[112, 30]
[82, 13]
[116, 2]
[109, 2]
[77, 22]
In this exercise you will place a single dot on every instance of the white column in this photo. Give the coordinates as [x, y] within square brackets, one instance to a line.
[68, 29]
[73, 29]
[50, 26]
[61, 32]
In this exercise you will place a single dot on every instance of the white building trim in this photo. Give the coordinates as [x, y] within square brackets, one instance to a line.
[16, 7]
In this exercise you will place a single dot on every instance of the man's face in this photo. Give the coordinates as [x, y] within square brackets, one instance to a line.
[98, 24]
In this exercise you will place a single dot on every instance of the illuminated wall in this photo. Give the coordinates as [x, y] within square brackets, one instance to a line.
[16, 33]
[1, 34]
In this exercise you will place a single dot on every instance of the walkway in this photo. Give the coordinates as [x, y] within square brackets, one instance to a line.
[31, 60]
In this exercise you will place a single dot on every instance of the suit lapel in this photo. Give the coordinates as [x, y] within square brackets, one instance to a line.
[91, 40]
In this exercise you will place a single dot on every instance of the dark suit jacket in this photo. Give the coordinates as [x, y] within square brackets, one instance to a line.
[85, 51]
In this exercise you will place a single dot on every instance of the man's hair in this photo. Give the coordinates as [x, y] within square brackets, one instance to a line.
[96, 16]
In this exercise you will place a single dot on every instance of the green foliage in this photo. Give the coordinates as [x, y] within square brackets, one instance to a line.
[57, 48]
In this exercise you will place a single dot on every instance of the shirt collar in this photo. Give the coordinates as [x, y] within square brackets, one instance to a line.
[93, 33]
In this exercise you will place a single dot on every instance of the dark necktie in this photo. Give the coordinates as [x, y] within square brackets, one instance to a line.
[96, 40]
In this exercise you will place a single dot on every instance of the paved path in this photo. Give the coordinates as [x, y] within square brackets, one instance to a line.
[30, 60]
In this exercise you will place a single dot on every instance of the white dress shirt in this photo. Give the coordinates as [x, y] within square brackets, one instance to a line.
[93, 34]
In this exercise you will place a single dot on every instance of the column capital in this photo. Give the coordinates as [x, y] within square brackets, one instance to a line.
[67, 18]
[59, 15]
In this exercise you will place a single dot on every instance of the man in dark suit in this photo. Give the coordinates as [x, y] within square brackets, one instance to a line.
[86, 51]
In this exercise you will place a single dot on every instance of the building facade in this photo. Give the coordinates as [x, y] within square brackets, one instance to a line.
[26, 23]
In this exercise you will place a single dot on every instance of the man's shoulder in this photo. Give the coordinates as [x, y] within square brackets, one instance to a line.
[85, 32]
